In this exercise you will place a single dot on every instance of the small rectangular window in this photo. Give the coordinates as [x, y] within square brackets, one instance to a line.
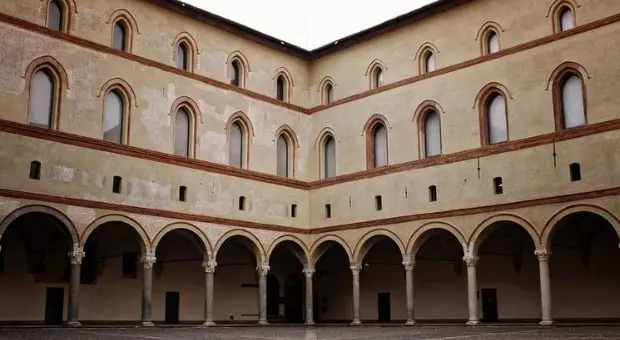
[498, 184]
[378, 203]
[183, 193]
[241, 202]
[35, 170]
[116, 184]
[328, 211]
[130, 265]
[432, 193]
[293, 210]
[575, 172]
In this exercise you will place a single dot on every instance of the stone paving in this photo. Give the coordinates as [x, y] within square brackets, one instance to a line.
[317, 333]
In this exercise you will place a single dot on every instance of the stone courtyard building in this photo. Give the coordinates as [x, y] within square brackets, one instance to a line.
[459, 163]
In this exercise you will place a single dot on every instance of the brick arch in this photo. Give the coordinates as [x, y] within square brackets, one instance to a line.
[485, 228]
[550, 226]
[60, 78]
[556, 81]
[554, 10]
[303, 257]
[421, 235]
[422, 51]
[563, 67]
[143, 237]
[245, 66]
[122, 14]
[121, 84]
[286, 129]
[371, 238]
[486, 26]
[284, 71]
[71, 10]
[374, 63]
[489, 91]
[373, 120]
[320, 137]
[257, 247]
[557, 3]
[206, 245]
[368, 130]
[419, 117]
[315, 251]
[37, 208]
[191, 104]
[194, 51]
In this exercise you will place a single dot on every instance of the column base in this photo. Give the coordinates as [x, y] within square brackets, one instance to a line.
[473, 323]
[147, 324]
[73, 324]
[410, 323]
[356, 323]
[309, 323]
[546, 323]
[208, 324]
[263, 322]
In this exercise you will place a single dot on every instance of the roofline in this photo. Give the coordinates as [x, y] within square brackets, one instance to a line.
[238, 29]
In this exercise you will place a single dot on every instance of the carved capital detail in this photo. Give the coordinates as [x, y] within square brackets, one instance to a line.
[470, 260]
[209, 266]
[263, 270]
[76, 255]
[308, 272]
[542, 254]
[356, 268]
[408, 262]
[148, 261]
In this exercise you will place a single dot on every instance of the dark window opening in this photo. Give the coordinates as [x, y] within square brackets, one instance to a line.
[498, 184]
[328, 211]
[116, 184]
[35, 170]
[280, 88]
[432, 193]
[575, 172]
[182, 193]
[236, 74]
[293, 210]
[241, 202]
[130, 265]
[378, 202]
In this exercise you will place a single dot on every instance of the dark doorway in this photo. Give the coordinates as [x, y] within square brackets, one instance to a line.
[294, 299]
[54, 302]
[273, 295]
[384, 307]
[489, 305]
[172, 307]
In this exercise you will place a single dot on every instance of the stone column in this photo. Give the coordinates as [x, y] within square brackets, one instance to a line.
[409, 264]
[309, 273]
[263, 270]
[472, 289]
[209, 267]
[355, 269]
[545, 286]
[76, 256]
[147, 288]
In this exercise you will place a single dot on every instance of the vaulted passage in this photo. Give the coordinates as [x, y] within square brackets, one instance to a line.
[332, 284]
[286, 284]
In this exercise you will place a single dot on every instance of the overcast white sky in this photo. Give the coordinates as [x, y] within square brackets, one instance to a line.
[309, 23]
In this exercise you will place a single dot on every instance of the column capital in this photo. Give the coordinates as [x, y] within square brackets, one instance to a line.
[308, 272]
[470, 260]
[408, 263]
[76, 255]
[209, 266]
[355, 268]
[263, 269]
[148, 261]
[542, 254]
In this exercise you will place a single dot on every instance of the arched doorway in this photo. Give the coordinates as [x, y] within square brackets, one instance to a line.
[35, 268]
[286, 261]
[440, 278]
[112, 273]
[273, 298]
[584, 265]
[332, 284]
[508, 273]
[179, 279]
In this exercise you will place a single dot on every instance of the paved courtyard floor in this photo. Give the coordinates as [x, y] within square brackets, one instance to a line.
[317, 333]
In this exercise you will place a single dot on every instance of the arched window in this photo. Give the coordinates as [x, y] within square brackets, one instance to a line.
[429, 61]
[281, 88]
[432, 134]
[329, 157]
[237, 145]
[113, 117]
[42, 99]
[377, 77]
[183, 58]
[380, 146]
[492, 41]
[56, 15]
[283, 151]
[573, 106]
[566, 19]
[182, 133]
[497, 125]
[119, 36]
[328, 94]
[235, 76]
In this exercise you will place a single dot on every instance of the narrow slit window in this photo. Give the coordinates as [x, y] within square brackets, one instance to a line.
[119, 41]
[242, 203]
[55, 16]
[293, 210]
[328, 94]
[378, 203]
[235, 78]
[183, 193]
[429, 64]
[183, 56]
[280, 88]
[377, 77]
[329, 157]
[575, 172]
[498, 185]
[492, 42]
[432, 193]
[117, 181]
[328, 211]
[35, 170]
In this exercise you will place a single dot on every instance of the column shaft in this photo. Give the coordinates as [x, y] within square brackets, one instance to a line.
[355, 269]
[147, 290]
[409, 265]
[309, 273]
[262, 294]
[545, 287]
[209, 267]
[472, 290]
[74, 287]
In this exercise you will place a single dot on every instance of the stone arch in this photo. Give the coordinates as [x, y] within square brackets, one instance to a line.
[373, 237]
[124, 14]
[303, 257]
[53, 65]
[145, 241]
[421, 235]
[550, 226]
[286, 73]
[488, 25]
[70, 9]
[258, 249]
[194, 109]
[190, 42]
[425, 47]
[286, 129]
[36, 208]
[555, 9]
[315, 251]
[206, 245]
[239, 116]
[483, 230]
[320, 137]
[375, 63]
